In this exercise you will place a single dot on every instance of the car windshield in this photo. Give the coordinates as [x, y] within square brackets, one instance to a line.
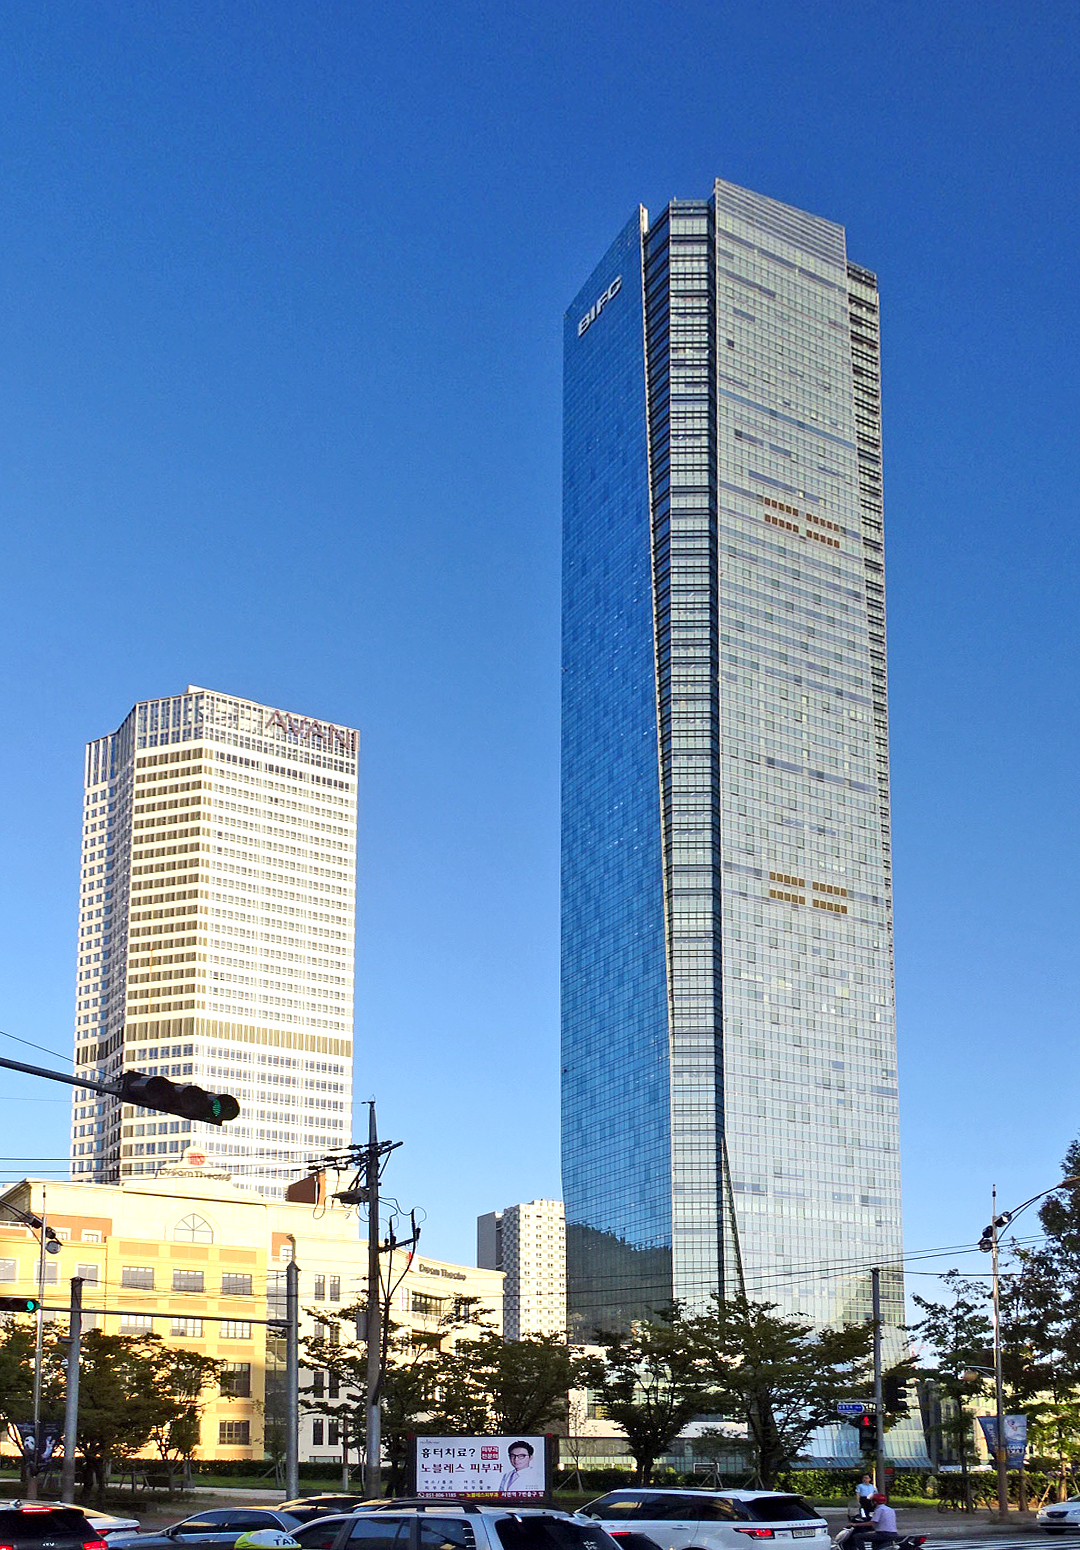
[780, 1509]
[541, 1533]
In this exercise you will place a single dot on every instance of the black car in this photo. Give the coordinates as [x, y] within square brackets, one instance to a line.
[307, 1507]
[37, 1526]
[218, 1529]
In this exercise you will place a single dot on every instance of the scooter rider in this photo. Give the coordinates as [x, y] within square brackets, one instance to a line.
[880, 1530]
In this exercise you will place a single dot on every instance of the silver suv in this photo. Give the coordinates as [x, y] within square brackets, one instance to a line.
[710, 1520]
[453, 1526]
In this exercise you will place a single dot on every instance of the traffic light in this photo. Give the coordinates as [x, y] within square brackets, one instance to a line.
[894, 1392]
[189, 1101]
[19, 1305]
[867, 1425]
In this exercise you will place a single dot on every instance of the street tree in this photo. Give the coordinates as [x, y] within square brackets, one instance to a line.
[779, 1376]
[652, 1380]
[958, 1338]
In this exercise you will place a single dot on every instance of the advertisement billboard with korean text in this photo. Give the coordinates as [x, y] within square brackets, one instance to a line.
[493, 1468]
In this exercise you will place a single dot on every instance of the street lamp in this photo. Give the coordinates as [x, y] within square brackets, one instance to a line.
[48, 1243]
[988, 1243]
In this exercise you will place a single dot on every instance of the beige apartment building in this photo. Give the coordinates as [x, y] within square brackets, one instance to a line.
[200, 1260]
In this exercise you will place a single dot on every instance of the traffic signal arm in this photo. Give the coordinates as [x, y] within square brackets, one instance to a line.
[189, 1101]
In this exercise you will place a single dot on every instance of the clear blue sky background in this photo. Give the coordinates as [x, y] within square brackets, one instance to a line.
[279, 414]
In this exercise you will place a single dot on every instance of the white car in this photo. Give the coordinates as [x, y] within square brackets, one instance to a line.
[1056, 1517]
[104, 1523]
[712, 1520]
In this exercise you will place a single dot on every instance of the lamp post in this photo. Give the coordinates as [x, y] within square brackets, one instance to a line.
[989, 1243]
[48, 1243]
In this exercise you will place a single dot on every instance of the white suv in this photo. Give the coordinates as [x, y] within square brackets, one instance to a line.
[712, 1520]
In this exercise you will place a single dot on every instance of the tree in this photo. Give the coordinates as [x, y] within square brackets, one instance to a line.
[959, 1335]
[778, 1375]
[182, 1378]
[504, 1386]
[651, 1381]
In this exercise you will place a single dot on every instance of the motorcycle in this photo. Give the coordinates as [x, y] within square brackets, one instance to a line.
[849, 1538]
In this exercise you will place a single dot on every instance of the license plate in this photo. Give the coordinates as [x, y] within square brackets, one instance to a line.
[803, 1533]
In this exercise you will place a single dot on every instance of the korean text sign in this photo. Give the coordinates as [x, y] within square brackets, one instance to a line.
[505, 1468]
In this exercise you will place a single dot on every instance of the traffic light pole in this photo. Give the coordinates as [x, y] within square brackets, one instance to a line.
[150, 1092]
[879, 1407]
[292, 1378]
[71, 1401]
[39, 1334]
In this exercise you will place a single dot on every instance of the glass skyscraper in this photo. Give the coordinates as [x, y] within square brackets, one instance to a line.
[729, 1049]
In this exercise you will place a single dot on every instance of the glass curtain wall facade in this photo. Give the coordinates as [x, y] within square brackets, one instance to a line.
[729, 1054]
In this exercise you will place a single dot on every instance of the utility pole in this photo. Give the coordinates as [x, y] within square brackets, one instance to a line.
[71, 1402]
[879, 1405]
[1001, 1456]
[372, 1459]
[292, 1377]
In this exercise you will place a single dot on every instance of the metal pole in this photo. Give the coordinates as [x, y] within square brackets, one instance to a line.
[879, 1417]
[372, 1458]
[1002, 1457]
[71, 1402]
[32, 1464]
[292, 1379]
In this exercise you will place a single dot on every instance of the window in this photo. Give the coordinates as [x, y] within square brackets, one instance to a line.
[52, 1273]
[236, 1380]
[318, 1384]
[333, 1386]
[233, 1284]
[90, 1237]
[333, 1433]
[382, 1533]
[136, 1324]
[193, 1229]
[317, 1435]
[446, 1534]
[235, 1329]
[140, 1277]
[335, 1288]
[236, 1434]
[320, 1288]
[187, 1280]
[89, 1273]
[430, 1307]
[188, 1329]
[9, 1270]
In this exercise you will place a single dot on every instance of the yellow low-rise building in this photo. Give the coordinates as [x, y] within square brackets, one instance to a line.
[196, 1258]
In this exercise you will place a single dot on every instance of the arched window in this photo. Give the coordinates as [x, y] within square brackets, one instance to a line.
[193, 1229]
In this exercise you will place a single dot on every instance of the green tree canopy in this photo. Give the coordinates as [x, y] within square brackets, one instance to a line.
[778, 1375]
[651, 1381]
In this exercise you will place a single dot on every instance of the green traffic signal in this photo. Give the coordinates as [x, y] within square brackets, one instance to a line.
[19, 1305]
[189, 1101]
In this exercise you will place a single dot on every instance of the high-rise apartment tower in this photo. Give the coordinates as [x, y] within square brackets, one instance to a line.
[528, 1243]
[729, 1052]
[216, 934]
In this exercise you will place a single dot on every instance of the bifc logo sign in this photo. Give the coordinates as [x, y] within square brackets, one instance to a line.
[599, 304]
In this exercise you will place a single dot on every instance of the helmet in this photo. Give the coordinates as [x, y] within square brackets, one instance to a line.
[267, 1539]
[879, 1499]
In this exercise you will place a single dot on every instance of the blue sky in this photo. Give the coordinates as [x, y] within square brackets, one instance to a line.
[279, 414]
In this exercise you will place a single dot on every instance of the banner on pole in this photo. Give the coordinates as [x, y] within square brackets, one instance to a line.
[1015, 1437]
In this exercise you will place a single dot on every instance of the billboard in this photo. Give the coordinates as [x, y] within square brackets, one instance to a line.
[494, 1468]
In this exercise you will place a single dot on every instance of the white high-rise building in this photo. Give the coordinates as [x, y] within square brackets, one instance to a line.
[528, 1243]
[217, 934]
